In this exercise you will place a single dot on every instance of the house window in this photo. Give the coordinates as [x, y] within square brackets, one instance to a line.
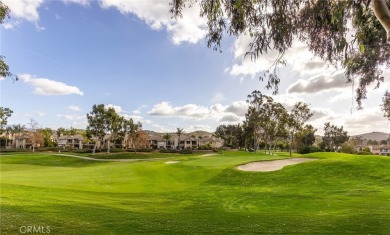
[188, 142]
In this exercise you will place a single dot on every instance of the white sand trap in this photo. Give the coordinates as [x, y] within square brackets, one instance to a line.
[209, 154]
[172, 162]
[273, 165]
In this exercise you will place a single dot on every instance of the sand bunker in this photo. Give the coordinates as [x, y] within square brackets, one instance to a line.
[172, 162]
[273, 165]
[209, 154]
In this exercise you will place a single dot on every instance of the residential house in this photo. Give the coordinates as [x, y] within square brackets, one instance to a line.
[385, 150]
[359, 148]
[23, 141]
[187, 141]
[157, 142]
[70, 141]
[375, 149]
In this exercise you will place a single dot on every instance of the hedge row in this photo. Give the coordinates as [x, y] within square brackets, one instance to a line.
[183, 151]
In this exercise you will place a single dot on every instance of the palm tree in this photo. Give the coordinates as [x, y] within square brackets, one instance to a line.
[167, 137]
[179, 132]
[19, 129]
[8, 131]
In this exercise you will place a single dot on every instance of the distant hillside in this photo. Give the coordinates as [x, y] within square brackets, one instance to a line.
[195, 133]
[378, 136]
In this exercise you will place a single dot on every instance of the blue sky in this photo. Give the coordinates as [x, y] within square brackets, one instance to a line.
[131, 55]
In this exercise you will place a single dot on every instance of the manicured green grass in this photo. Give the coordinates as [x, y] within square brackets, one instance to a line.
[337, 194]
[135, 155]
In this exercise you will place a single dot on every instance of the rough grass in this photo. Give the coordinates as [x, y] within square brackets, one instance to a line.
[338, 194]
[132, 155]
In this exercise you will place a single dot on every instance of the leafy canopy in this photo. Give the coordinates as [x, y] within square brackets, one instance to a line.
[345, 33]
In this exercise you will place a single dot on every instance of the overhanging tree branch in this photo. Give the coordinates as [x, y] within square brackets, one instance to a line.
[382, 13]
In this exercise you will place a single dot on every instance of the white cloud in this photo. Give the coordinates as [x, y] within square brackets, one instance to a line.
[367, 120]
[38, 114]
[238, 108]
[74, 108]
[191, 28]
[138, 110]
[319, 83]
[191, 111]
[118, 109]
[81, 2]
[226, 113]
[357, 122]
[44, 86]
[72, 117]
[23, 10]
[230, 118]
[298, 58]
[160, 128]
[218, 97]
[342, 96]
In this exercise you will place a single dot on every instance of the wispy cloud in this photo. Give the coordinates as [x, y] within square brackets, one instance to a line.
[74, 108]
[81, 2]
[45, 57]
[191, 28]
[44, 86]
[72, 117]
[23, 10]
[321, 83]
[234, 112]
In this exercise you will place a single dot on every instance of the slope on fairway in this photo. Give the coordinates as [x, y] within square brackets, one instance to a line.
[337, 194]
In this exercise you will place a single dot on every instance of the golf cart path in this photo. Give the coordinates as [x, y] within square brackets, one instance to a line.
[275, 165]
[106, 160]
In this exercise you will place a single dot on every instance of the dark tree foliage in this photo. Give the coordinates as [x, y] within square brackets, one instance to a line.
[345, 33]
[386, 104]
[232, 135]
[4, 69]
[5, 113]
[333, 137]
[305, 137]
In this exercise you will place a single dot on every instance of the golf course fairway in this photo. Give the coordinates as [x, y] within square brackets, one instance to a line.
[336, 194]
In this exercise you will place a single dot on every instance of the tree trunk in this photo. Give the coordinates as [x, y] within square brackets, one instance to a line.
[94, 148]
[292, 141]
[108, 146]
[382, 13]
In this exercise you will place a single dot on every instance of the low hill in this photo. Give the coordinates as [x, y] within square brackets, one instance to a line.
[378, 136]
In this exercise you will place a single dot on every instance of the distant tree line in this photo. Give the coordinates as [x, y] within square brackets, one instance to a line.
[269, 126]
[104, 121]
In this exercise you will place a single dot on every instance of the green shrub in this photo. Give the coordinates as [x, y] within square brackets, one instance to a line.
[168, 151]
[309, 149]
[4, 150]
[48, 149]
[83, 151]
[116, 150]
[185, 151]
[147, 150]
[364, 153]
